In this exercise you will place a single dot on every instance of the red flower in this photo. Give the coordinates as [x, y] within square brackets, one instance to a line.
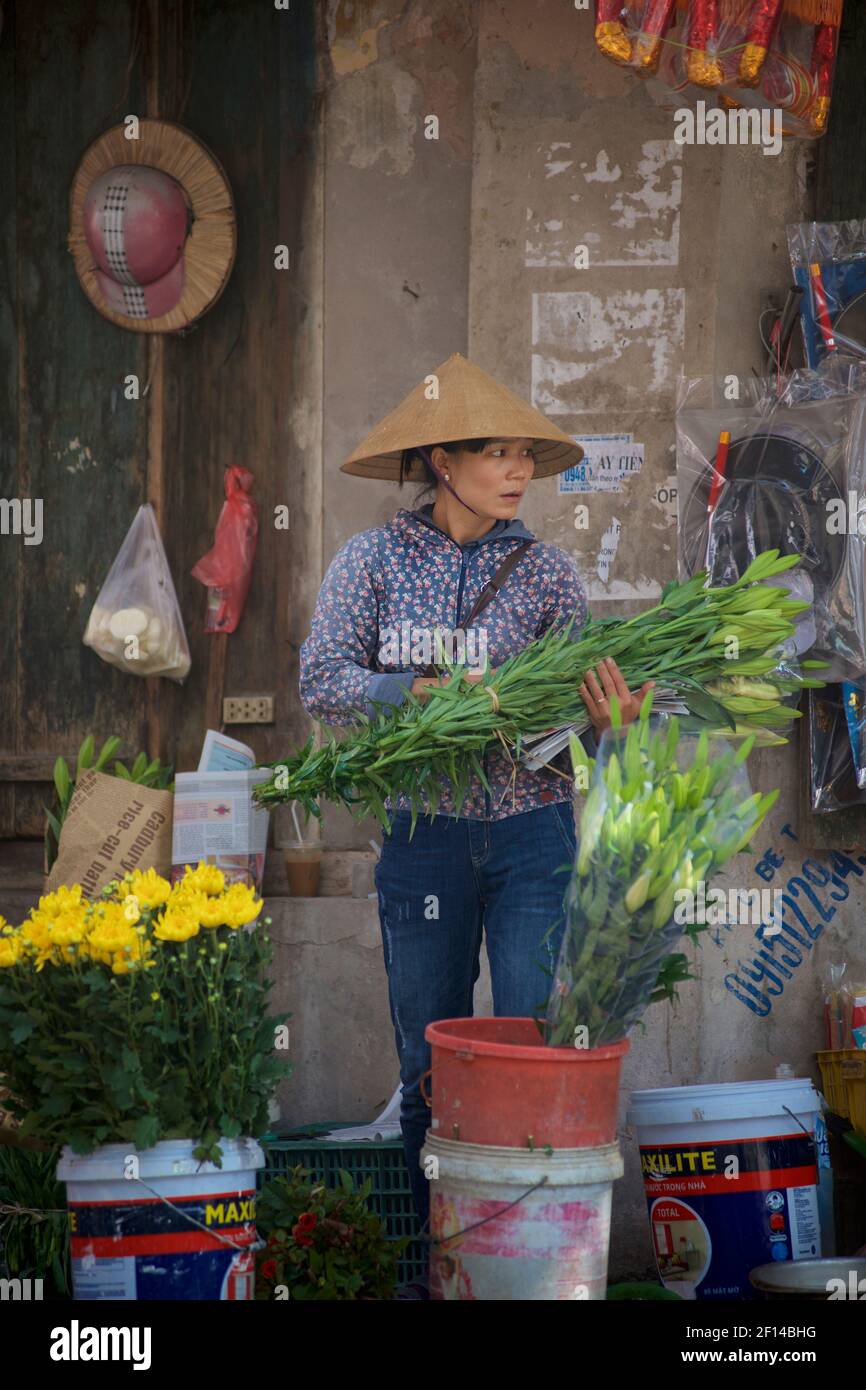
[307, 1221]
[269, 1269]
[301, 1236]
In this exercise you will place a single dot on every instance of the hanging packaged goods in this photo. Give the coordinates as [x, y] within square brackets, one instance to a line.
[760, 55]
[135, 623]
[833, 771]
[795, 461]
[829, 264]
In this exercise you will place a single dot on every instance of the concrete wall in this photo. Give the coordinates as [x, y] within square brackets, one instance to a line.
[466, 243]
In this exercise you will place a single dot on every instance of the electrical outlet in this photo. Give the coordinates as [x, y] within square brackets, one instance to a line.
[248, 709]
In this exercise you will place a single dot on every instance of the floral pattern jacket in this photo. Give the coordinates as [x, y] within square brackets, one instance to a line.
[389, 586]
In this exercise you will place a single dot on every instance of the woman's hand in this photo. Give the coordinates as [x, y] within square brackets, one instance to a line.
[421, 684]
[597, 701]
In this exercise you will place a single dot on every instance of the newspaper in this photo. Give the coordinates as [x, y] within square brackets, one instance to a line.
[215, 819]
[535, 753]
[223, 754]
[385, 1126]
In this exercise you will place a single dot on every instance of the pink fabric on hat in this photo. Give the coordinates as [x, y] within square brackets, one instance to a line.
[143, 301]
[136, 221]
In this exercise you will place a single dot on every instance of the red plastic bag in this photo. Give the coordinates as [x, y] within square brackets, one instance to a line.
[227, 568]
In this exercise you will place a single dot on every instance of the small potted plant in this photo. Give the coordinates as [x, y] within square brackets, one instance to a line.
[323, 1243]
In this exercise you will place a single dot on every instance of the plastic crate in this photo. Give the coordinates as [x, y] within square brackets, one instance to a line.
[853, 1069]
[382, 1161]
[835, 1089]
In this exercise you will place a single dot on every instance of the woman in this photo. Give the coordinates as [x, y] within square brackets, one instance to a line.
[385, 595]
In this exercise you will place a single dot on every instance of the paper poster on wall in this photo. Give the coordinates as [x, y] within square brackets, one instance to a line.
[607, 460]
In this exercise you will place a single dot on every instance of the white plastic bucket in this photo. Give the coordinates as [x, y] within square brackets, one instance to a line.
[730, 1174]
[509, 1224]
[129, 1243]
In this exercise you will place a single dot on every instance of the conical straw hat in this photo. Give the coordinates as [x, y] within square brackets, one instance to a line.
[468, 404]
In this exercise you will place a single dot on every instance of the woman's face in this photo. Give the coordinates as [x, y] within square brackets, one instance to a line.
[494, 481]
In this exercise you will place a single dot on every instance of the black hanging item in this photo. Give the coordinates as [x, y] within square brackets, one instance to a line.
[832, 774]
[775, 495]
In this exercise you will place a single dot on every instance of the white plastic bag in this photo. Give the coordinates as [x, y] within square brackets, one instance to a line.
[135, 623]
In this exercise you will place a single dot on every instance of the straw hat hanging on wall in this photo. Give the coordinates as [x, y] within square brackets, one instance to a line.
[152, 227]
[459, 401]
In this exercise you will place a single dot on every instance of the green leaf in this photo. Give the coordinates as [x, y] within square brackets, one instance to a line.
[61, 779]
[705, 707]
[146, 1132]
[107, 751]
[85, 755]
[120, 771]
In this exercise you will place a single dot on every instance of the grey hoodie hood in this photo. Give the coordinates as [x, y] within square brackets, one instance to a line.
[500, 530]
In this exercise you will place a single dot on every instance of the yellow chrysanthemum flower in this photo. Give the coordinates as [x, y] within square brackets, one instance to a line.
[133, 957]
[66, 933]
[10, 951]
[108, 938]
[35, 932]
[178, 923]
[149, 887]
[208, 911]
[240, 905]
[64, 898]
[206, 878]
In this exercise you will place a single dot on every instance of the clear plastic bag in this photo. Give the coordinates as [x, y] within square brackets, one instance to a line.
[829, 264]
[135, 623]
[832, 774]
[834, 1014]
[854, 702]
[665, 812]
[762, 57]
[797, 452]
[227, 568]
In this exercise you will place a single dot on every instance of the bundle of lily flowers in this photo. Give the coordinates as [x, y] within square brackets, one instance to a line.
[716, 649]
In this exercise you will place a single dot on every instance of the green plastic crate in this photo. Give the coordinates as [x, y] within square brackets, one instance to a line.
[383, 1161]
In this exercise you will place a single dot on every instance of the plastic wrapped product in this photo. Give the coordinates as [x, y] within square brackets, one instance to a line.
[657, 18]
[758, 56]
[611, 34]
[664, 813]
[703, 66]
[760, 29]
[854, 701]
[794, 462]
[135, 623]
[832, 775]
[829, 264]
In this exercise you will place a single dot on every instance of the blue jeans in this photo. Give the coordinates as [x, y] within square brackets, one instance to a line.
[457, 878]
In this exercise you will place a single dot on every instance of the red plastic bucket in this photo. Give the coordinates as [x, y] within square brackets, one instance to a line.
[494, 1082]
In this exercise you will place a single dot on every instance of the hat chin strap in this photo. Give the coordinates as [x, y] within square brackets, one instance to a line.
[443, 480]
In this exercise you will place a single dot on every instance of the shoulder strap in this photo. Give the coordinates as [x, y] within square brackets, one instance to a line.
[493, 585]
